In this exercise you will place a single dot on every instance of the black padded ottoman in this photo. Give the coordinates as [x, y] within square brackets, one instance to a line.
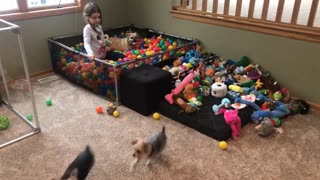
[205, 120]
[143, 88]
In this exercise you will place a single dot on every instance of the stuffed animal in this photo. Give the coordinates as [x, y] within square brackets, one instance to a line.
[267, 127]
[111, 108]
[188, 91]
[233, 120]
[184, 106]
[257, 116]
[180, 87]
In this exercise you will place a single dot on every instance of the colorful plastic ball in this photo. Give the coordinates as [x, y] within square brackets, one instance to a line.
[116, 113]
[223, 145]
[49, 102]
[29, 117]
[99, 109]
[4, 122]
[156, 116]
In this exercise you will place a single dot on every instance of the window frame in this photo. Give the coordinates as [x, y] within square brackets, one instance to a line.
[251, 24]
[24, 12]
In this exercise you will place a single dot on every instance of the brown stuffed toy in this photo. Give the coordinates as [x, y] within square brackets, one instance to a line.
[188, 92]
[111, 108]
[177, 62]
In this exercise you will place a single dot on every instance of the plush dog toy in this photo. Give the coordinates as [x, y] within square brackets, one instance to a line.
[180, 87]
[233, 120]
[267, 127]
[123, 44]
[111, 108]
[257, 116]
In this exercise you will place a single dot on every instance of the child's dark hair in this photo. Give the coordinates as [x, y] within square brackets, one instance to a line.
[88, 10]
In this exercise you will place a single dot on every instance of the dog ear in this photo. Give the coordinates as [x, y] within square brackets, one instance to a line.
[133, 142]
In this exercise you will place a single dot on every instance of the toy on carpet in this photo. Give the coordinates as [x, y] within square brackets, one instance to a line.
[269, 83]
[219, 90]
[225, 103]
[116, 113]
[29, 117]
[236, 88]
[4, 122]
[99, 109]
[48, 102]
[298, 106]
[258, 84]
[244, 61]
[156, 116]
[191, 95]
[268, 126]
[180, 87]
[233, 120]
[111, 108]
[257, 116]
[184, 106]
[282, 95]
[223, 145]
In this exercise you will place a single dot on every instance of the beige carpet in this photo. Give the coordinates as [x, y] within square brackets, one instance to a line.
[72, 122]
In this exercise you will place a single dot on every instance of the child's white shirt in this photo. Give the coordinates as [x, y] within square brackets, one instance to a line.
[93, 41]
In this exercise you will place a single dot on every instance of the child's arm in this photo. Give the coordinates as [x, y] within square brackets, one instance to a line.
[87, 43]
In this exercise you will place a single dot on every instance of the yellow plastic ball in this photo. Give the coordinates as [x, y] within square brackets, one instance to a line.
[116, 114]
[223, 145]
[156, 116]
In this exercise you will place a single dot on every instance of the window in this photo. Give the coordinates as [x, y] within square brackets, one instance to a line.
[298, 19]
[26, 9]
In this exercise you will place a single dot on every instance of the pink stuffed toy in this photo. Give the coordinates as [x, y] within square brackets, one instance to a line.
[177, 90]
[231, 117]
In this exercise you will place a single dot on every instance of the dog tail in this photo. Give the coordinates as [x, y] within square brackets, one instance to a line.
[163, 129]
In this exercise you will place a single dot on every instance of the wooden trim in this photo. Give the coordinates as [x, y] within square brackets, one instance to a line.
[49, 7]
[295, 12]
[313, 12]
[215, 6]
[279, 10]
[25, 13]
[251, 8]
[226, 7]
[41, 13]
[23, 6]
[283, 26]
[314, 105]
[194, 4]
[266, 28]
[41, 73]
[204, 5]
[265, 10]
[239, 8]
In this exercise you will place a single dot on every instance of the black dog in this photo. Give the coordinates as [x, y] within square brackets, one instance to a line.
[81, 166]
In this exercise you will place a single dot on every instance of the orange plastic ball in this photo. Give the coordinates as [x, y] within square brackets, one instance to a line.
[99, 109]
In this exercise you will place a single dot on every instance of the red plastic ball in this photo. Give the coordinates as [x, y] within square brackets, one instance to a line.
[99, 109]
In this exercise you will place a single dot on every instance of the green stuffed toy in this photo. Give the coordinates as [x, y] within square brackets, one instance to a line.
[4, 123]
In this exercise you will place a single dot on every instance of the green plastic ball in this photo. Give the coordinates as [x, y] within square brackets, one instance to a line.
[48, 102]
[29, 117]
[4, 122]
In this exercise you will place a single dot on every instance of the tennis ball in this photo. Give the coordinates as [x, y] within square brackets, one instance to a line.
[116, 113]
[223, 145]
[156, 116]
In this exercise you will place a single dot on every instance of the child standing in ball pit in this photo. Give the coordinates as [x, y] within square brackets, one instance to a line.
[94, 39]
